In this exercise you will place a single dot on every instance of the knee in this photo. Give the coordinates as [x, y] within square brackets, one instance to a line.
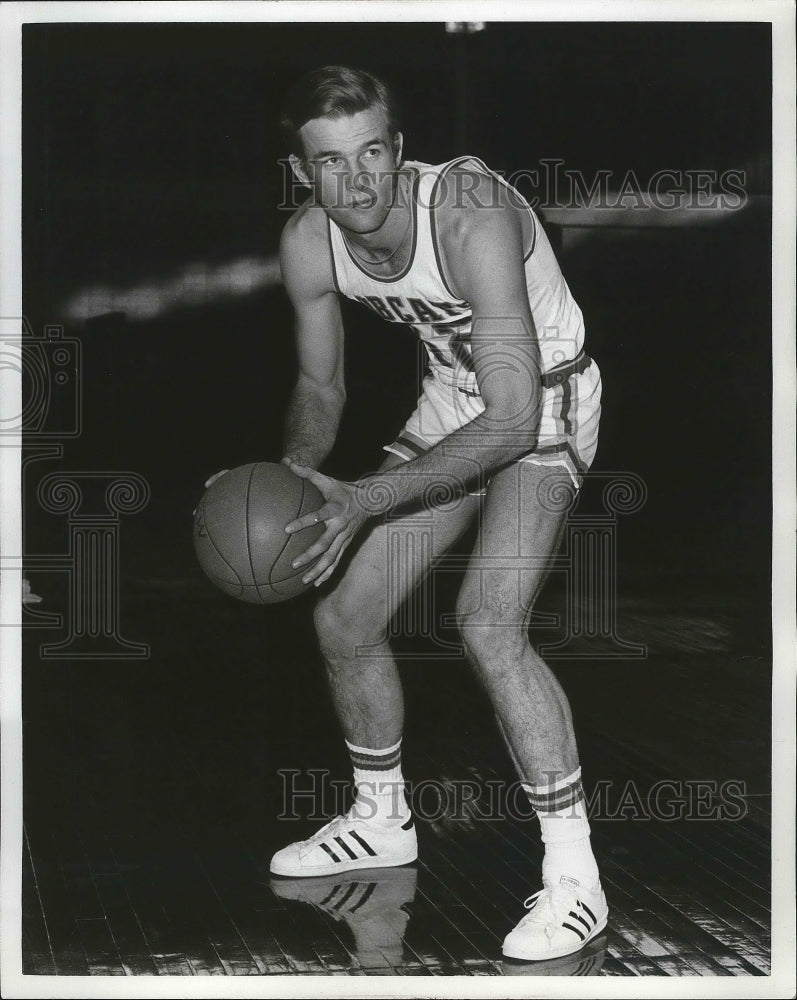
[493, 650]
[494, 636]
[346, 619]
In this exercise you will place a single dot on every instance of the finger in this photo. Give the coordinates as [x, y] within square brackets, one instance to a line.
[326, 562]
[328, 573]
[298, 470]
[324, 513]
[315, 550]
[315, 477]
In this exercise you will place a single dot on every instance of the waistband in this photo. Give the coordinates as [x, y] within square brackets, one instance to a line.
[562, 372]
[555, 376]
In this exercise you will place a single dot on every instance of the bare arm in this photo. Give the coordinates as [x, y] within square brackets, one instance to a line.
[316, 404]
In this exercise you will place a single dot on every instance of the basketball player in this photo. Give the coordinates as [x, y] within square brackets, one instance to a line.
[504, 431]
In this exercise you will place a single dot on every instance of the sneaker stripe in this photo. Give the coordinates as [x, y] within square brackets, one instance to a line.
[346, 848]
[346, 895]
[575, 930]
[588, 911]
[335, 890]
[365, 897]
[577, 916]
[363, 843]
[330, 852]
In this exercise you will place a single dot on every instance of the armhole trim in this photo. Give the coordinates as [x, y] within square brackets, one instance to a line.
[534, 224]
[432, 207]
[332, 256]
[438, 255]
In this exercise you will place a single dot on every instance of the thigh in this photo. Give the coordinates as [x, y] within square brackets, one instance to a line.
[520, 529]
[394, 555]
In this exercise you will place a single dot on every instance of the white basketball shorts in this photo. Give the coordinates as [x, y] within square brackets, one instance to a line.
[568, 431]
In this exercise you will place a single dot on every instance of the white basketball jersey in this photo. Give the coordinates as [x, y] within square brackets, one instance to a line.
[420, 298]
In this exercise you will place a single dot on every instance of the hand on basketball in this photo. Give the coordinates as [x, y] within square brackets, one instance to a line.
[343, 517]
[210, 482]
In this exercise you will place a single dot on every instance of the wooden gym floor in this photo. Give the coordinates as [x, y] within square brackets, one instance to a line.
[153, 789]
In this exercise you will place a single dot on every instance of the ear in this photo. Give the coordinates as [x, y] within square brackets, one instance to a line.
[398, 146]
[299, 169]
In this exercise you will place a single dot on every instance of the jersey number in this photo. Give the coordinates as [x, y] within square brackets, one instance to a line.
[457, 344]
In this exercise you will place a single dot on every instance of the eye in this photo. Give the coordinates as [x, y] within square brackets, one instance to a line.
[372, 153]
[331, 161]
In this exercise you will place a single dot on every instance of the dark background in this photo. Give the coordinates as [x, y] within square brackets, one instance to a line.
[146, 147]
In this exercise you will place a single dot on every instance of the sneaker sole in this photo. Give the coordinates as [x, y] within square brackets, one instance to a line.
[588, 961]
[353, 864]
[559, 952]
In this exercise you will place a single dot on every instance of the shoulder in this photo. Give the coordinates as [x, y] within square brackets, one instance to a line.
[479, 225]
[305, 233]
[305, 252]
[471, 203]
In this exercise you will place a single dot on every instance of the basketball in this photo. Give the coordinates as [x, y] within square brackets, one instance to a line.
[239, 532]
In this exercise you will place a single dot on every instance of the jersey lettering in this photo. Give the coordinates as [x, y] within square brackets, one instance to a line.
[394, 307]
[458, 336]
[378, 306]
[450, 307]
[396, 304]
[424, 312]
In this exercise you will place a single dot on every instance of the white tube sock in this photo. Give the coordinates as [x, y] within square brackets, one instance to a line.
[561, 810]
[379, 782]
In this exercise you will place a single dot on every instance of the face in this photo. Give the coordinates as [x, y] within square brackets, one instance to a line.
[350, 163]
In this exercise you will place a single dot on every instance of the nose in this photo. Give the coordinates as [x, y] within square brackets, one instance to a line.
[357, 180]
[348, 179]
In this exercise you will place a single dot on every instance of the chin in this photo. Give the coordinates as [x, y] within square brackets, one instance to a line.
[362, 222]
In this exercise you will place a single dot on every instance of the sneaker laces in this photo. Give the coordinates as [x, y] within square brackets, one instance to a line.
[549, 907]
[332, 828]
[329, 829]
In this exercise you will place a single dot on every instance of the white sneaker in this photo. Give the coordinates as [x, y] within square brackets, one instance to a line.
[561, 920]
[349, 842]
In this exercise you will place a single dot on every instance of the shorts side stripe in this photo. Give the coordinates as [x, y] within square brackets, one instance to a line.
[565, 411]
[407, 441]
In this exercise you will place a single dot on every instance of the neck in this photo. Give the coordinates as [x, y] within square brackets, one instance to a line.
[394, 230]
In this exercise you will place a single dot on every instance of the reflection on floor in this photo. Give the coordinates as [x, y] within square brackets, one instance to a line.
[154, 790]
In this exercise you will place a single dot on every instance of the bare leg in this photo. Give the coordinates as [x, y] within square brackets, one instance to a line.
[351, 621]
[518, 536]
